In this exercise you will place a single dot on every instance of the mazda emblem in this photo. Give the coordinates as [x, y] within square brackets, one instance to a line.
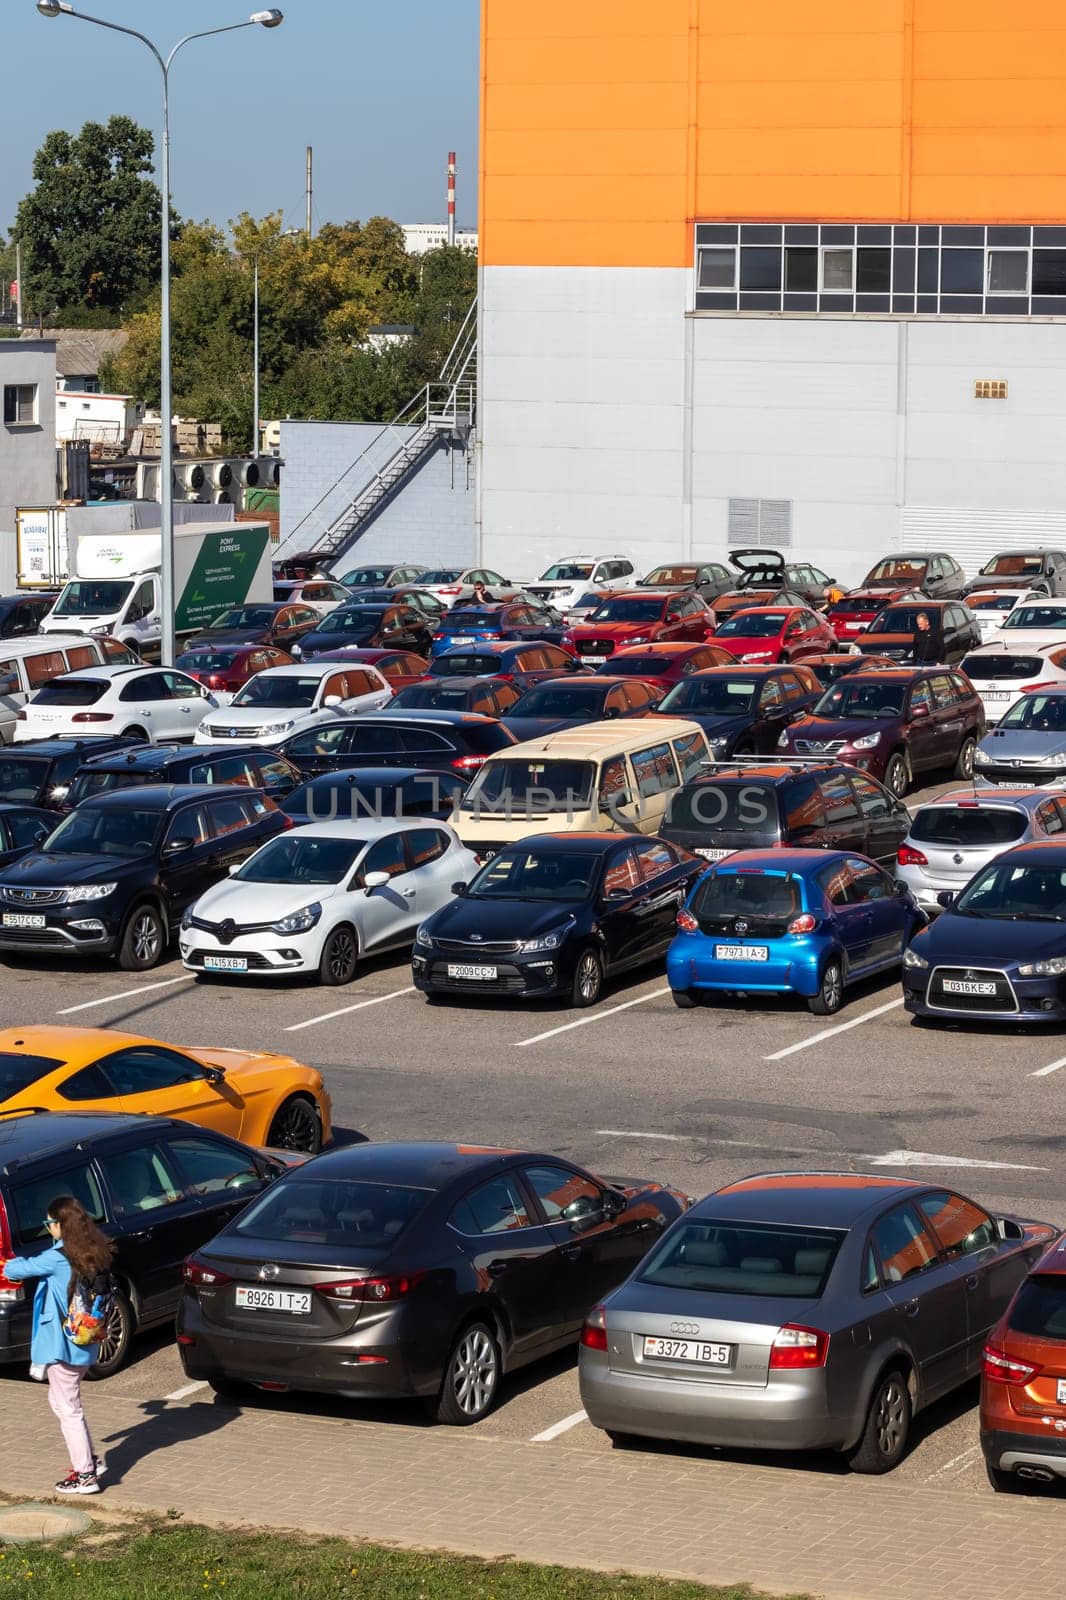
[269, 1271]
[684, 1327]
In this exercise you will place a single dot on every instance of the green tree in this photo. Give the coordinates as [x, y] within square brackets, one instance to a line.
[90, 227]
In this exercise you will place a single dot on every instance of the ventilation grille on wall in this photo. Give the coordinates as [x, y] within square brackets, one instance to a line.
[760, 522]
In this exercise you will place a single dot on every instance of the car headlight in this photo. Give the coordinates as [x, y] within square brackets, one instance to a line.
[757, 655]
[1053, 968]
[1057, 760]
[782, 743]
[717, 741]
[295, 650]
[299, 921]
[867, 742]
[981, 758]
[638, 638]
[88, 891]
[186, 919]
[274, 728]
[422, 938]
[548, 941]
[912, 959]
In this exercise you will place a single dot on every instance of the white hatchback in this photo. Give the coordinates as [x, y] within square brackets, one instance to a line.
[284, 700]
[321, 897]
[1002, 673]
[1032, 622]
[152, 703]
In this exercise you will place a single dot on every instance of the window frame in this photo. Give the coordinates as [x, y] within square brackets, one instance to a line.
[15, 419]
[1026, 251]
[718, 288]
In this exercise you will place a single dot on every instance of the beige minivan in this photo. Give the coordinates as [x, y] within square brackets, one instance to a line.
[601, 775]
[25, 664]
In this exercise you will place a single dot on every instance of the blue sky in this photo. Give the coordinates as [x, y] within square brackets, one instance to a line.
[382, 91]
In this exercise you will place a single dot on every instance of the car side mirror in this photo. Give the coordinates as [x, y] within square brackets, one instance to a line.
[214, 1075]
[234, 868]
[902, 891]
[332, 700]
[918, 712]
[175, 847]
[375, 880]
[609, 712]
[459, 889]
[946, 897]
[1007, 1228]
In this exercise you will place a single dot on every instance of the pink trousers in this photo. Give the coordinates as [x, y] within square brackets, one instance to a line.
[64, 1397]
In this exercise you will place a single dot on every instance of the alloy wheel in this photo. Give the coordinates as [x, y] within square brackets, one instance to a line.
[588, 977]
[341, 956]
[295, 1127]
[891, 1420]
[474, 1372]
[832, 987]
[145, 937]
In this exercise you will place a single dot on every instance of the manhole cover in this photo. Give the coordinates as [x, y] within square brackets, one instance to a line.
[37, 1524]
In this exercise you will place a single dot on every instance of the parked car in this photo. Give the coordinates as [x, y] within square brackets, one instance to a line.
[853, 614]
[320, 899]
[1023, 1381]
[996, 953]
[555, 914]
[664, 664]
[376, 792]
[253, 1095]
[753, 805]
[387, 627]
[136, 765]
[760, 569]
[723, 605]
[954, 836]
[991, 607]
[225, 668]
[323, 595]
[519, 619]
[836, 664]
[895, 634]
[382, 576]
[453, 584]
[1028, 743]
[276, 623]
[418, 599]
[21, 614]
[149, 703]
[565, 702]
[707, 578]
[448, 1264]
[894, 724]
[117, 873]
[520, 664]
[304, 564]
[286, 700]
[640, 617]
[121, 1167]
[743, 710]
[1042, 571]
[40, 773]
[804, 1311]
[566, 581]
[452, 741]
[766, 633]
[1001, 675]
[22, 828]
[934, 572]
[1030, 624]
[489, 697]
[399, 668]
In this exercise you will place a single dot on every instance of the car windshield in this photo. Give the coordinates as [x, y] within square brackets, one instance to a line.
[531, 787]
[92, 782]
[751, 625]
[246, 617]
[855, 696]
[899, 570]
[723, 696]
[263, 690]
[366, 577]
[93, 597]
[586, 602]
[991, 602]
[903, 619]
[744, 1258]
[461, 664]
[367, 1219]
[295, 859]
[71, 692]
[978, 667]
[352, 619]
[350, 798]
[1013, 566]
[1017, 891]
[755, 896]
[854, 603]
[206, 660]
[971, 825]
[827, 672]
[1037, 713]
[638, 666]
[440, 575]
[567, 572]
[622, 608]
[126, 831]
[21, 777]
[1039, 1309]
[18, 1071]
[529, 874]
[1036, 616]
[439, 695]
[575, 701]
[669, 575]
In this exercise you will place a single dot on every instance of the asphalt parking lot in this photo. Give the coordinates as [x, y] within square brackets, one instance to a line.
[631, 1086]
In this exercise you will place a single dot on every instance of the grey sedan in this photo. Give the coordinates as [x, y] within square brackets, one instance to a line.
[957, 834]
[800, 1311]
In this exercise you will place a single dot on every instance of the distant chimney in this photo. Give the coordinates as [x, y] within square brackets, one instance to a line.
[451, 197]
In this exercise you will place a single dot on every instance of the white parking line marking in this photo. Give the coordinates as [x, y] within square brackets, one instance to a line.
[891, 1158]
[625, 1133]
[923, 1158]
[185, 1390]
[312, 1022]
[594, 1016]
[829, 1033]
[126, 994]
[559, 1427]
[961, 1461]
[1042, 1072]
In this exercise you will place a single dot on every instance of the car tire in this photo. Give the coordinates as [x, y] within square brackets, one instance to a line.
[296, 1125]
[883, 1441]
[115, 1345]
[340, 956]
[587, 982]
[683, 999]
[229, 1388]
[433, 997]
[472, 1375]
[136, 733]
[624, 1441]
[964, 762]
[897, 779]
[144, 939]
[830, 997]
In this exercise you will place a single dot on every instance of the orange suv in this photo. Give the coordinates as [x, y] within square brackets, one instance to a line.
[1023, 1381]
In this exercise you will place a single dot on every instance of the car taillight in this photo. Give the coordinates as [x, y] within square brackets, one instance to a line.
[454, 588]
[214, 680]
[804, 924]
[287, 821]
[20, 716]
[796, 1346]
[468, 763]
[372, 1291]
[8, 1290]
[998, 1367]
[594, 1333]
[908, 856]
[92, 716]
[201, 1276]
[687, 922]
[1027, 688]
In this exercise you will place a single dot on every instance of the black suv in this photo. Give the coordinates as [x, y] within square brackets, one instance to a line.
[159, 1188]
[810, 805]
[21, 614]
[119, 870]
[743, 710]
[39, 772]
[460, 741]
[177, 763]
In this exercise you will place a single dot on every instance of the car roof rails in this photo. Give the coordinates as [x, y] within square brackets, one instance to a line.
[776, 761]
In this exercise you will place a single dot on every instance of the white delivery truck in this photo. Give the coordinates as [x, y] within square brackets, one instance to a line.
[116, 589]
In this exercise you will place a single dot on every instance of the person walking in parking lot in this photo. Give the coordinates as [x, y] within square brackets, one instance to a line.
[923, 650]
[66, 1273]
[481, 595]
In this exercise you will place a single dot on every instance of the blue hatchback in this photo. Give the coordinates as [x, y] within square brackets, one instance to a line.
[804, 922]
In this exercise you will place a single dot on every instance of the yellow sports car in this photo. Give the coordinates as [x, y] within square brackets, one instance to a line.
[252, 1095]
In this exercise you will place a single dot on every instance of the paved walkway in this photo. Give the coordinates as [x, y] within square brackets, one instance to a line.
[782, 1530]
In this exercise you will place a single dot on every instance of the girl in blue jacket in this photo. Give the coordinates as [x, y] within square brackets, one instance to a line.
[79, 1252]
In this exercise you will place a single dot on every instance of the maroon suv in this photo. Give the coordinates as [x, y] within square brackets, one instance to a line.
[894, 724]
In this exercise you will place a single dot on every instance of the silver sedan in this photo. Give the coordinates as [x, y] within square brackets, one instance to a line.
[957, 834]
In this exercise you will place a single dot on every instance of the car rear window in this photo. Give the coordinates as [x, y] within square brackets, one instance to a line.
[18, 1071]
[766, 901]
[367, 1217]
[461, 664]
[88, 783]
[983, 667]
[968, 825]
[735, 807]
[70, 692]
[21, 777]
[1040, 1309]
[711, 1257]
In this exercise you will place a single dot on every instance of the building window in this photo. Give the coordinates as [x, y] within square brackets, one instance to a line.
[1008, 272]
[801, 270]
[1049, 271]
[873, 271]
[718, 268]
[838, 271]
[20, 404]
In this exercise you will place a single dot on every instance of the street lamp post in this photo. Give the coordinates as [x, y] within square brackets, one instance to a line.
[266, 19]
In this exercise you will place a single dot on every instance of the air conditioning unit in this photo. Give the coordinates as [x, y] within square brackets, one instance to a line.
[147, 480]
[248, 473]
[271, 432]
[222, 497]
[221, 474]
[191, 476]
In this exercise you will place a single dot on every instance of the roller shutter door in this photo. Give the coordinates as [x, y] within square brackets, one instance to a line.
[974, 536]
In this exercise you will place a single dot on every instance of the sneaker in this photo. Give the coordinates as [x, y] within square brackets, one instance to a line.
[78, 1483]
[99, 1466]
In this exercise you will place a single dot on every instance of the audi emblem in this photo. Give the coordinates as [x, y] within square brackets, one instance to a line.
[268, 1271]
[684, 1327]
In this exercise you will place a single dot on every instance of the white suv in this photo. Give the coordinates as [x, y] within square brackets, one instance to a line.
[567, 580]
[284, 700]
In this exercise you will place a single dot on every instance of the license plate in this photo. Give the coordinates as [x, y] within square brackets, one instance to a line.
[741, 952]
[966, 986]
[22, 919]
[1060, 1391]
[465, 971]
[273, 1300]
[588, 657]
[460, 638]
[226, 963]
[708, 1355]
[997, 694]
[714, 855]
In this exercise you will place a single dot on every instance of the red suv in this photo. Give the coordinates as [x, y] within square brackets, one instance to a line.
[1023, 1382]
[775, 633]
[639, 617]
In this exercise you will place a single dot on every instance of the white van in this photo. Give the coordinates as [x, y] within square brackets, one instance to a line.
[25, 664]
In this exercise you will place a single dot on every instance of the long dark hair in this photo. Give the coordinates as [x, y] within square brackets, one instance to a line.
[87, 1249]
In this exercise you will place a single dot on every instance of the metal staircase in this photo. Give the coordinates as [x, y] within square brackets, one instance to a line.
[442, 409]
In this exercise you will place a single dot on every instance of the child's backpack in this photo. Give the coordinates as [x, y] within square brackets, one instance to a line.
[91, 1305]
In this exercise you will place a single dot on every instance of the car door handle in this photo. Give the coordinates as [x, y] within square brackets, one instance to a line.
[496, 1269]
[912, 1308]
[408, 894]
[572, 1252]
[144, 1233]
[972, 1281]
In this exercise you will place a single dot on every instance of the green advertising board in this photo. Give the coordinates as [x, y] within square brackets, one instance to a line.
[221, 576]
